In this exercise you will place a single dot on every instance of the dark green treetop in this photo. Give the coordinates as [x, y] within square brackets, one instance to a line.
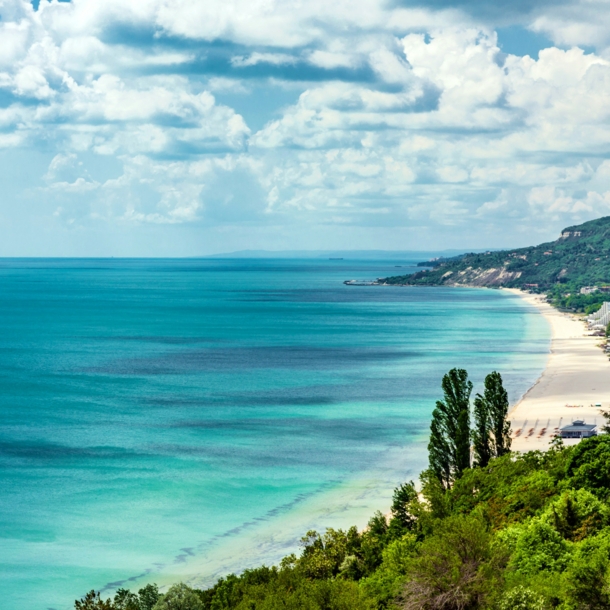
[496, 397]
[491, 434]
[449, 445]
[481, 432]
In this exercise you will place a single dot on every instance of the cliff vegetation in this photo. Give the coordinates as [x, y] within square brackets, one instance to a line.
[578, 259]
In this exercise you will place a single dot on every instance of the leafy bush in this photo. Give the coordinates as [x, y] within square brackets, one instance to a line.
[521, 598]
[179, 597]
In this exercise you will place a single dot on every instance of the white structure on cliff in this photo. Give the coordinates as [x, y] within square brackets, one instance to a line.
[588, 289]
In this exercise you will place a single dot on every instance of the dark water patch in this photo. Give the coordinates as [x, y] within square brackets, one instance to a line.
[381, 294]
[284, 399]
[242, 358]
[300, 427]
[186, 553]
[270, 454]
[357, 389]
[348, 294]
[178, 401]
[162, 339]
[331, 295]
[50, 451]
[115, 584]
[111, 586]
[265, 399]
[261, 444]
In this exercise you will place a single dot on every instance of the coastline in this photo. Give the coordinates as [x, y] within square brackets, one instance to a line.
[576, 379]
[262, 542]
[268, 544]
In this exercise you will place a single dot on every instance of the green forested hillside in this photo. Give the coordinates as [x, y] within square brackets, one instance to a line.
[581, 257]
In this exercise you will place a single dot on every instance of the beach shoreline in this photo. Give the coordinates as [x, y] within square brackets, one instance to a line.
[575, 381]
[573, 362]
[266, 543]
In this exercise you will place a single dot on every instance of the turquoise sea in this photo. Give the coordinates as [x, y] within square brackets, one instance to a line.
[177, 419]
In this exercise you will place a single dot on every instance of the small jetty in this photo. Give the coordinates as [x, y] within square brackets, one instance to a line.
[362, 283]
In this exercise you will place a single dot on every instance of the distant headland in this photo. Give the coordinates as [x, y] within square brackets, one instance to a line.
[338, 254]
[574, 270]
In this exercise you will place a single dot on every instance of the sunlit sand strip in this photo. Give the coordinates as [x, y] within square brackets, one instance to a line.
[575, 380]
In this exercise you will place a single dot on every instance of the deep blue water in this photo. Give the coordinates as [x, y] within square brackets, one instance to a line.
[168, 419]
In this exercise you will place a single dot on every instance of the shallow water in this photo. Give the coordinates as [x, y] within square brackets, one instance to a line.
[165, 418]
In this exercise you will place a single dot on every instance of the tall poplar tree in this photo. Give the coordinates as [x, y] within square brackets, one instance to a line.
[449, 445]
[497, 399]
[491, 435]
[483, 444]
[438, 450]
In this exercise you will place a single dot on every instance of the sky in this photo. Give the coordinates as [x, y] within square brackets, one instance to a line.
[192, 127]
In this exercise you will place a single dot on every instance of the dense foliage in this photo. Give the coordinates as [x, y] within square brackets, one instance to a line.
[453, 445]
[493, 530]
[560, 268]
[527, 532]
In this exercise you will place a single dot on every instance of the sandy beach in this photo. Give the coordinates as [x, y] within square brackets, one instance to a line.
[575, 380]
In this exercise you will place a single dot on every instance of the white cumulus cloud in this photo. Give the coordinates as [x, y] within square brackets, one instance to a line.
[272, 113]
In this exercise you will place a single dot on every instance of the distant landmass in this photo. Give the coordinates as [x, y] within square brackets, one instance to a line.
[574, 269]
[338, 254]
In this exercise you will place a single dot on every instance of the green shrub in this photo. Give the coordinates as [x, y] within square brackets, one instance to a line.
[179, 597]
[521, 598]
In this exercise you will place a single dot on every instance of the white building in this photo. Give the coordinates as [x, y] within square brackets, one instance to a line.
[578, 429]
[601, 317]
